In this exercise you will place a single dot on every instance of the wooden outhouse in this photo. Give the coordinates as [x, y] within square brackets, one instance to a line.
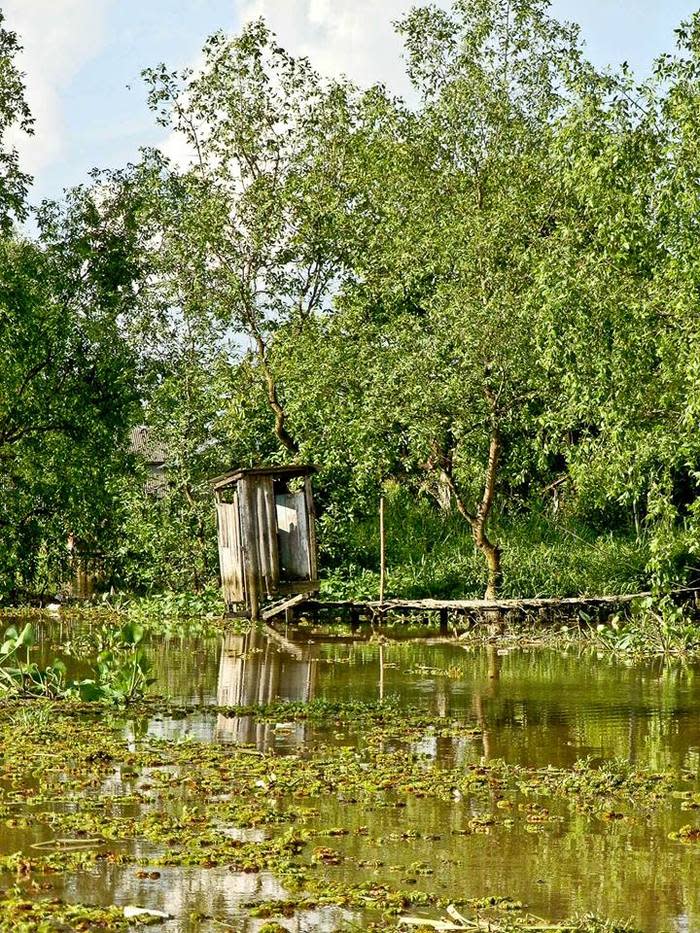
[267, 539]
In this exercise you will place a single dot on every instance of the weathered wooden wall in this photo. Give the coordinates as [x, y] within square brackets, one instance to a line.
[267, 541]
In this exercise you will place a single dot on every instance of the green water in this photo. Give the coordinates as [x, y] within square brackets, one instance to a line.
[534, 707]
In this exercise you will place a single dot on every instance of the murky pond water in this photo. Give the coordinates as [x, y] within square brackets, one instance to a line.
[532, 708]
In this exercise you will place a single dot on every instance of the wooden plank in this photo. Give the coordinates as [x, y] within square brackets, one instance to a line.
[280, 608]
[267, 517]
[485, 605]
[311, 517]
[237, 576]
[266, 527]
[548, 608]
[292, 533]
[249, 547]
[261, 536]
[480, 605]
[233, 476]
[229, 552]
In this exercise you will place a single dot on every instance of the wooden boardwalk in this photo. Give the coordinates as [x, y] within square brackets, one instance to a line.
[544, 609]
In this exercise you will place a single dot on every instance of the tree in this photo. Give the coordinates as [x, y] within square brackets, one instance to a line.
[244, 242]
[14, 114]
[619, 297]
[457, 204]
[67, 378]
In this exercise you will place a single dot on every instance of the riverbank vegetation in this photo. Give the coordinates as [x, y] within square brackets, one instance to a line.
[480, 302]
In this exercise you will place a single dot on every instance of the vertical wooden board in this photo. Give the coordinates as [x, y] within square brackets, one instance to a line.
[292, 533]
[223, 548]
[236, 552]
[311, 517]
[249, 546]
[229, 552]
[261, 535]
[302, 560]
[268, 535]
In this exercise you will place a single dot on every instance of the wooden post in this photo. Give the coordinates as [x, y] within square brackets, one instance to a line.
[382, 553]
[443, 621]
[249, 536]
[381, 672]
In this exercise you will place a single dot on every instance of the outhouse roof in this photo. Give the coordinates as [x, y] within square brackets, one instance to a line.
[233, 476]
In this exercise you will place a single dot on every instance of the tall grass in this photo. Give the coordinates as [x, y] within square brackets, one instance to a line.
[432, 554]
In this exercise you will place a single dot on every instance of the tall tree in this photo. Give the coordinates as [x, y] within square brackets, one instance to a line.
[67, 378]
[14, 114]
[245, 243]
[458, 202]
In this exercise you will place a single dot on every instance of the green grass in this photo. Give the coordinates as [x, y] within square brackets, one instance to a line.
[433, 555]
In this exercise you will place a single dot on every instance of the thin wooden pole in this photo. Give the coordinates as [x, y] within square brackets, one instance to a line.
[382, 551]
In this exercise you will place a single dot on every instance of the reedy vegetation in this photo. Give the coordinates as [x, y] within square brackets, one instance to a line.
[482, 300]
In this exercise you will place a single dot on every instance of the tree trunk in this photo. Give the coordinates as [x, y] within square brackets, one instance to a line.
[478, 521]
[491, 551]
[281, 432]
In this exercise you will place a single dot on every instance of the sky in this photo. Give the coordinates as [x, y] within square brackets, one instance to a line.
[83, 60]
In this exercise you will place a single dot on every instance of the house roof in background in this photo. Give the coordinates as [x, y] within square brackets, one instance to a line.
[143, 443]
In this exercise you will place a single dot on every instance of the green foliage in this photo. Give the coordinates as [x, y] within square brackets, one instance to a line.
[431, 554]
[501, 254]
[555, 566]
[657, 625]
[19, 676]
[121, 667]
[174, 611]
[14, 114]
[67, 384]
[486, 296]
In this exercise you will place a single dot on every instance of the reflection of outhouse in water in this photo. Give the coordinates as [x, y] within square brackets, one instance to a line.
[267, 540]
[253, 671]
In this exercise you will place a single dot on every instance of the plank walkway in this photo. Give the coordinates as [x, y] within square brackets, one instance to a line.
[475, 605]
[376, 610]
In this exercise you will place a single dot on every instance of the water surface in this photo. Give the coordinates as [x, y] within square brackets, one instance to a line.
[534, 707]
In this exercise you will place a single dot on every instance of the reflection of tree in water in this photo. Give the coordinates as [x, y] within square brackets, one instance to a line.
[548, 707]
[489, 690]
[253, 671]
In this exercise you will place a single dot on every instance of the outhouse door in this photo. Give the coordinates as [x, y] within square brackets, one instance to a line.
[293, 535]
[230, 557]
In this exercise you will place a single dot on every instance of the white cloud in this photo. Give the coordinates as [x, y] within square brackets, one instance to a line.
[59, 37]
[355, 38]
